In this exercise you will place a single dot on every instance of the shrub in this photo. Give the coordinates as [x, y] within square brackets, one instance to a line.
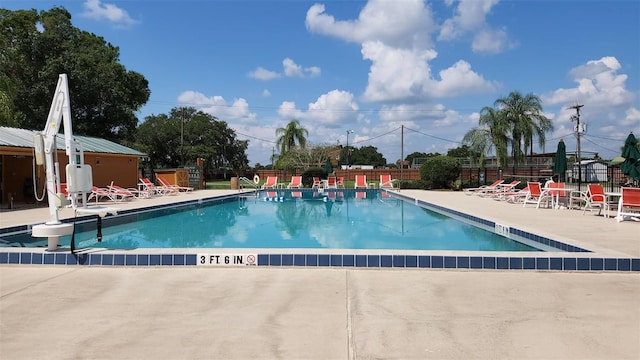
[440, 172]
[411, 184]
[310, 173]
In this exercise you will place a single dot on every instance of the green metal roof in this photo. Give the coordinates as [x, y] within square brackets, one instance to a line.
[24, 138]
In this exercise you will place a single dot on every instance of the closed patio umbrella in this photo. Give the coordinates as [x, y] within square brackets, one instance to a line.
[560, 161]
[328, 167]
[631, 155]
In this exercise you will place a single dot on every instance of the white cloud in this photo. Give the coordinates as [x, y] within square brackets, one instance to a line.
[449, 118]
[610, 109]
[218, 106]
[94, 9]
[459, 79]
[405, 75]
[266, 93]
[408, 24]
[263, 74]
[431, 128]
[395, 37]
[313, 71]
[395, 74]
[290, 69]
[405, 112]
[258, 151]
[491, 41]
[632, 118]
[470, 18]
[594, 68]
[331, 109]
[599, 85]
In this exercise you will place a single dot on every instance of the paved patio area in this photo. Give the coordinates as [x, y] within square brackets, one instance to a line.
[331, 313]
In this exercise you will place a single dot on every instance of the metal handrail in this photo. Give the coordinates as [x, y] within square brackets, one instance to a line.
[245, 181]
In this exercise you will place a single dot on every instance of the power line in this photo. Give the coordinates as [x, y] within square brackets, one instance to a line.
[559, 137]
[606, 138]
[598, 145]
[433, 136]
[256, 138]
[375, 137]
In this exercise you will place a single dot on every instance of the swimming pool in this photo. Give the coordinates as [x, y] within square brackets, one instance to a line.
[286, 219]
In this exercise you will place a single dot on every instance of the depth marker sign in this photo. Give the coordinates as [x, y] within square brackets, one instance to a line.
[227, 259]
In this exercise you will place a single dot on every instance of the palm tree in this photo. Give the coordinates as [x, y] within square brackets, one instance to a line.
[525, 120]
[492, 133]
[289, 135]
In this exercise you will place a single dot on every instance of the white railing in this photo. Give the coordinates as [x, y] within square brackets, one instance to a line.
[247, 183]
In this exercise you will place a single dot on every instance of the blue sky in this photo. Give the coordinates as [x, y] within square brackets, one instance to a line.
[373, 66]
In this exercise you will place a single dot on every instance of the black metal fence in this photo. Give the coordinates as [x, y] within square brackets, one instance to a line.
[576, 176]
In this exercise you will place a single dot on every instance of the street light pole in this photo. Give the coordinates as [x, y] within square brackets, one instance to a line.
[348, 157]
[182, 138]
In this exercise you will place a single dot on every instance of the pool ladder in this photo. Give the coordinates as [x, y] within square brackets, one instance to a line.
[248, 183]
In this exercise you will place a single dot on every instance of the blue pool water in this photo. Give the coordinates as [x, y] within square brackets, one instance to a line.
[288, 219]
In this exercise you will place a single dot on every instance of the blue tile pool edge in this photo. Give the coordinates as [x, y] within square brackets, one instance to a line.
[121, 213]
[356, 260]
[345, 260]
[489, 225]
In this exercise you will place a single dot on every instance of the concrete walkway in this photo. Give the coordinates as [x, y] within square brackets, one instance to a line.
[77, 312]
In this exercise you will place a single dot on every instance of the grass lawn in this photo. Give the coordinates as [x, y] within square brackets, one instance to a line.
[218, 184]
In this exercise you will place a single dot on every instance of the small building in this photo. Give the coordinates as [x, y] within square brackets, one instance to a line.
[357, 167]
[590, 171]
[109, 162]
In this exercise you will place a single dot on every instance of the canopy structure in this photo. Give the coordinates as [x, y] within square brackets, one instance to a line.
[560, 161]
[617, 160]
[631, 155]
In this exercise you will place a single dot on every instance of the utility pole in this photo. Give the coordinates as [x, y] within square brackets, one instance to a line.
[578, 130]
[182, 137]
[401, 153]
[348, 151]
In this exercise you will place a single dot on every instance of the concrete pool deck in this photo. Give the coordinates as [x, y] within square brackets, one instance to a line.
[331, 313]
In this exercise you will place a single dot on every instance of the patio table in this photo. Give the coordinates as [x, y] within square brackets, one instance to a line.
[554, 194]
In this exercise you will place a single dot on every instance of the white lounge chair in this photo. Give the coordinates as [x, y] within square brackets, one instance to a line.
[483, 189]
[296, 182]
[121, 193]
[595, 198]
[332, 182]
[500, 189]
[317, 183]
[386, 182]
[534, 195]
[100, 193]
[629, 204]
[514, 196]
[149, 186]
[361, 182]
[271, 183]
[167, 185]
